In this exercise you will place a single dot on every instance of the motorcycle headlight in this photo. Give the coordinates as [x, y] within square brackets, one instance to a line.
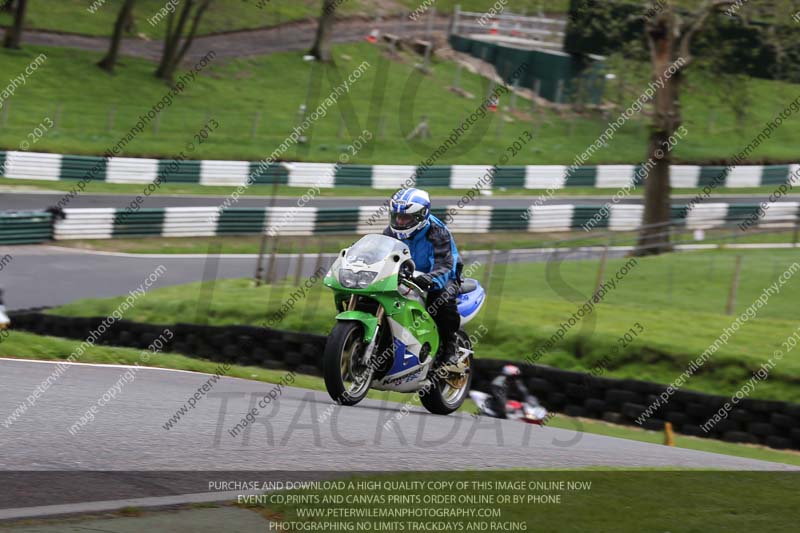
[347, 278]
[365, 278]
[356, 280]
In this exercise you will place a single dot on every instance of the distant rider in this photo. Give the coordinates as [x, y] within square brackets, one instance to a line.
[434, 252]
[509, 385]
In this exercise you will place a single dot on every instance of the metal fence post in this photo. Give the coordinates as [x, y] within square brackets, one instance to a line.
[260, 262]
[601, 270]
[670, 280]
[110, 122]
[711, 267]
[312, 299]
[537, 87]
[272, 256]
[734, 287]
[427, 61]
[382, 127]
[796, 228]
[298, 270]
[57, 117]
[271, 212]
[559, 91]
[320, 257]
[514, 95]
[487, 274]
[256, 120]
[497, 297]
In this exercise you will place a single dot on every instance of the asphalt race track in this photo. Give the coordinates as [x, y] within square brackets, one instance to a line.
[302, 431]
[45, 276]
[32, 201]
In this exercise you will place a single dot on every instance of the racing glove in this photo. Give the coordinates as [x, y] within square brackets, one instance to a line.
[424, 281]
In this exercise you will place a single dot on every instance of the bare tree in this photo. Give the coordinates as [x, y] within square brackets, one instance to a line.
[669, 37]
[175, 50]
[110, 60]
[321, 49]
[14, 32]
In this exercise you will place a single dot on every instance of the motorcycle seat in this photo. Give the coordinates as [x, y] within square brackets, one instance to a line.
[468, 286]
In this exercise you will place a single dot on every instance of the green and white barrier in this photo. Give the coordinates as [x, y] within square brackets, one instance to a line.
[39, 166]
[294, 221]
[25, 227]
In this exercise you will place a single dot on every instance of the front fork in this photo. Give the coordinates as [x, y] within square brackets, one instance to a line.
[371, 346]
[351, 306]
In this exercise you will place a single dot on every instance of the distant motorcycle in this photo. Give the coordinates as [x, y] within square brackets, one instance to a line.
[522, 411]
[384, 337]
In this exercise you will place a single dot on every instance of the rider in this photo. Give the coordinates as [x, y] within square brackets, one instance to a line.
[435, 255]
[507, 384]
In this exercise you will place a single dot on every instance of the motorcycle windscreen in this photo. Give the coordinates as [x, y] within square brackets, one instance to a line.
[373, 249]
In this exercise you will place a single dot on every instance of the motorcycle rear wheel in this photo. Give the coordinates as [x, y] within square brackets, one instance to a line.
[448, 390]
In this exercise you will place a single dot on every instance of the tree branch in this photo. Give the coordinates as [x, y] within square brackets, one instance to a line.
[698, 20]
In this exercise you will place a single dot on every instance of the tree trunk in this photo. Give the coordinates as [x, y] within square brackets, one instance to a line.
[14, 33]
[173, 51]
[130, 23]
[166, 52]
[654, 237]
[173, 39]
[321, 49]
[187, 43]
[669, 40]
[108, 62]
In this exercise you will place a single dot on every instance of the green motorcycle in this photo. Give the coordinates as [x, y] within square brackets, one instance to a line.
[384, 338]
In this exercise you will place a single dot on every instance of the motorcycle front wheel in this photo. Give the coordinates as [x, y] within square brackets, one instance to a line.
[347, 378]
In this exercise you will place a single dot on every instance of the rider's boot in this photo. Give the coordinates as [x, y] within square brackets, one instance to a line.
[450, 356]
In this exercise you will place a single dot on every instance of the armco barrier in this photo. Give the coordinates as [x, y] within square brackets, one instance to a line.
[620, 401]
[107, 223]
[25, 227]
[40, 166]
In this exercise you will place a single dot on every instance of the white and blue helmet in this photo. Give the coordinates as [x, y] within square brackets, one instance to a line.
[409, 212]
